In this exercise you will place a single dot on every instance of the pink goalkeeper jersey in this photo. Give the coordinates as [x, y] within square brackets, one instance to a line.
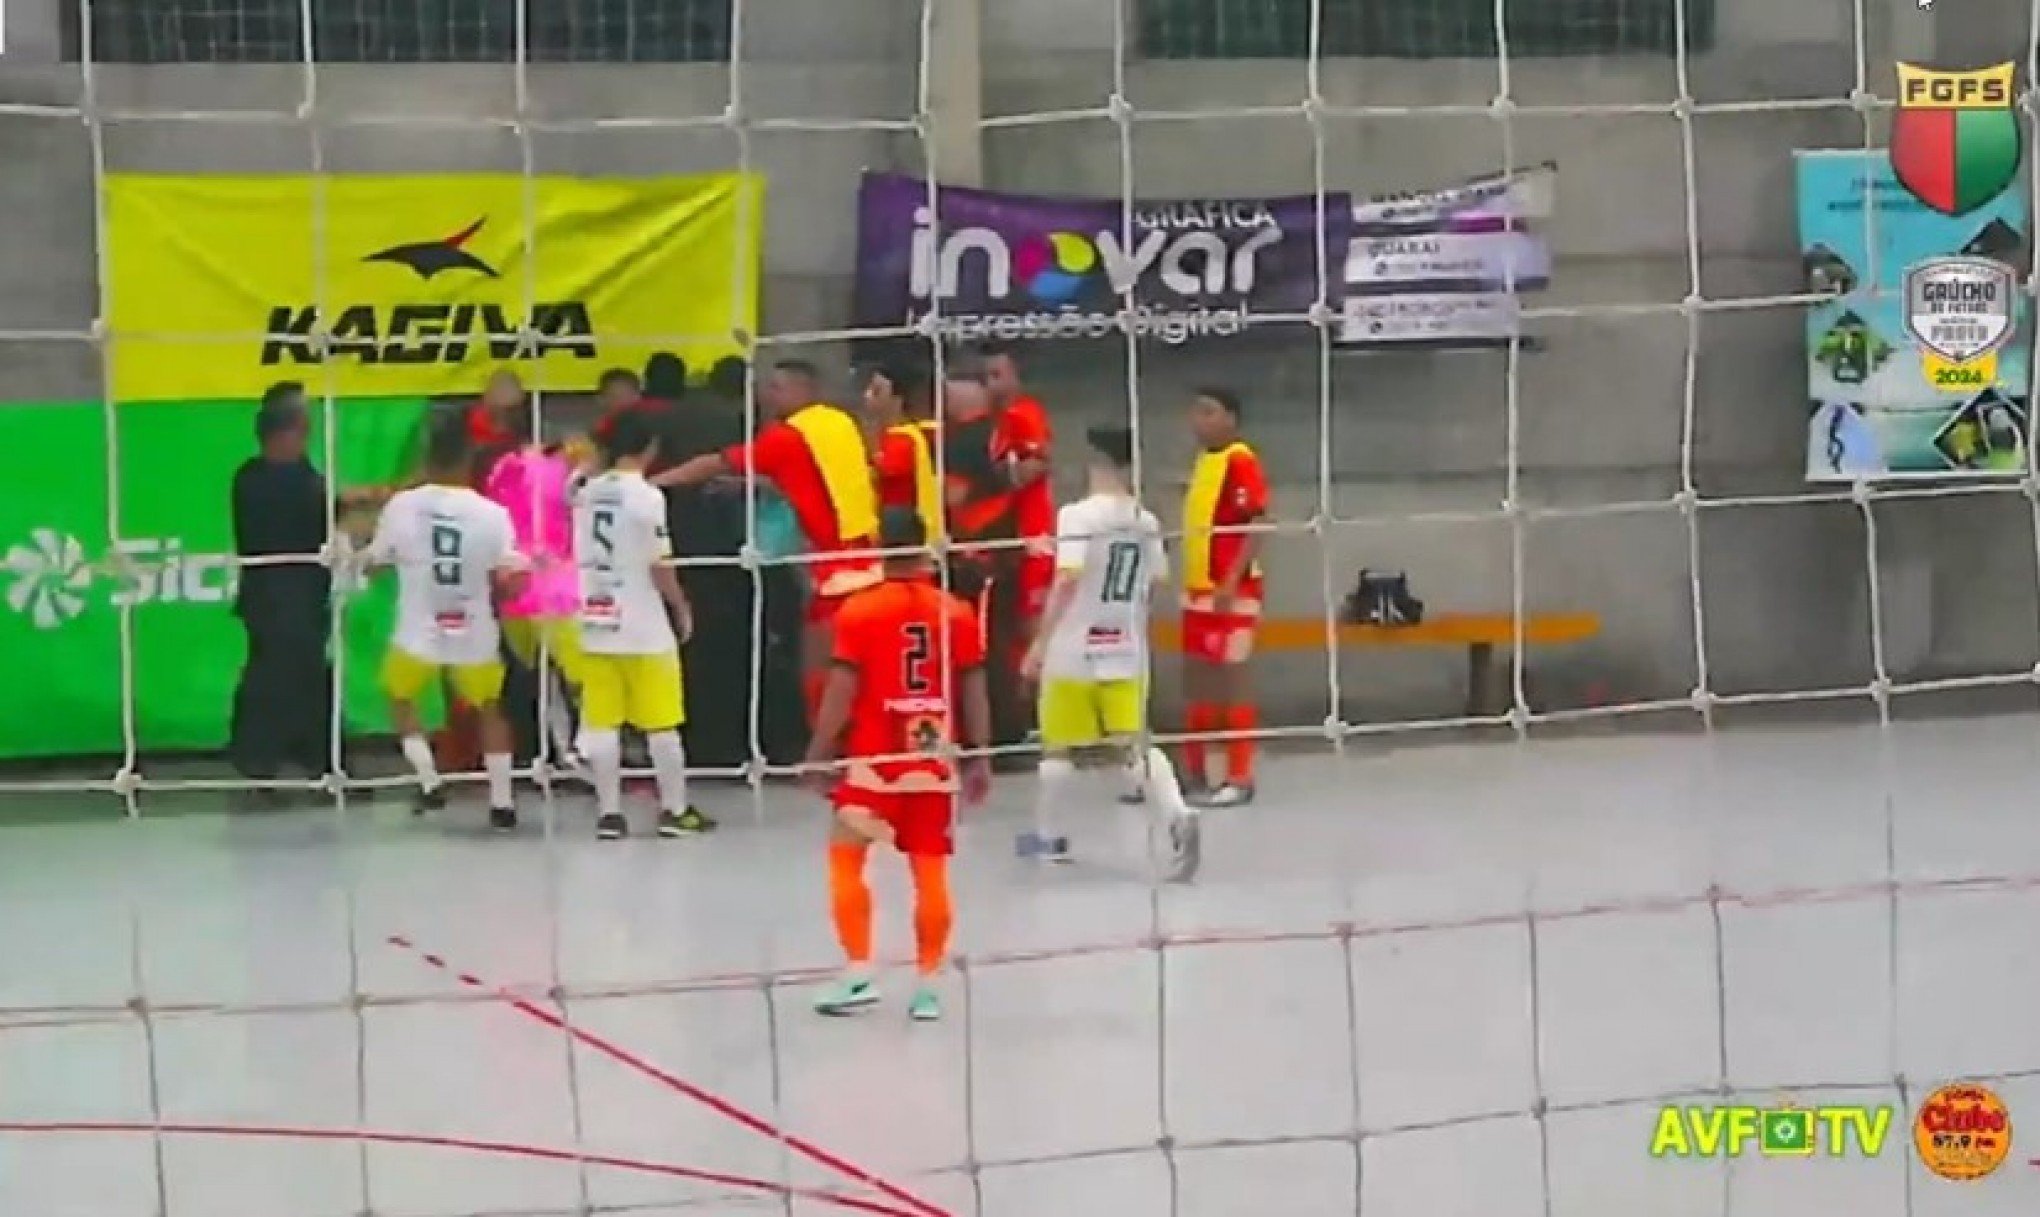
[532, 486]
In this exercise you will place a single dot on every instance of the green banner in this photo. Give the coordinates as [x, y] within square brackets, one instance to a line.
[61, 591]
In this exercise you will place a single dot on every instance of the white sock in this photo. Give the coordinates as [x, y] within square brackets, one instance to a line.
[1163, 786]
[669, 769]
[418, 751]
[603, 751]
[497, 766]
[1053, 782]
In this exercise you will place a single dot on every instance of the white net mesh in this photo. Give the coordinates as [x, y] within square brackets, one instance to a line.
[1451, 980]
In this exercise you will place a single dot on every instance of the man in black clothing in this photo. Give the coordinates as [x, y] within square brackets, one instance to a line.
[283, 709]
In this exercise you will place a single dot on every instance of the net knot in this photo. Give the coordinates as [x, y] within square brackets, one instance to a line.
[1702, 700]
[1686, 501]
[126, 782]
[1118, 108]
[1862, 100]
[1503, 107]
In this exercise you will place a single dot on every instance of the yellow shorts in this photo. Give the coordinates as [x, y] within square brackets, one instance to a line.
[405, 677]
[562, 638]
[1083, 713]
[642, 691]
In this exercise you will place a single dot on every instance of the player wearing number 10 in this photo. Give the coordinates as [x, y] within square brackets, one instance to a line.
[453, 550]
[630, 666]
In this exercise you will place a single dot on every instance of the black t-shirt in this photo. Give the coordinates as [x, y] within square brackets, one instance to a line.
[280, 508]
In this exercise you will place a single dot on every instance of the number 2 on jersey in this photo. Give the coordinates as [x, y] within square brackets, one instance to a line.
[1122, 572]
[446, 555]
[914, 656]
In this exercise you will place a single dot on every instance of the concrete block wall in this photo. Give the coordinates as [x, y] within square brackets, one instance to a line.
[1602, 411]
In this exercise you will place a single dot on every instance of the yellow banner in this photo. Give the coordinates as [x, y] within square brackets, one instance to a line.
[414, 285]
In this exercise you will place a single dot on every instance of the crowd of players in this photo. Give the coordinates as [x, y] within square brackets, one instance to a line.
[1039, 620]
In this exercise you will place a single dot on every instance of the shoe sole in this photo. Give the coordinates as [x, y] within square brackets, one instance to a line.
[840, 1009]
[924, 1016]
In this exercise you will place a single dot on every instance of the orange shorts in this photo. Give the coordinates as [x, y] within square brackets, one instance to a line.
[923, 822]
[1219, 638]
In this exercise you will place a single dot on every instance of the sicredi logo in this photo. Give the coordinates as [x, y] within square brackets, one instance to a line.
[50, 579]
[1192, 249]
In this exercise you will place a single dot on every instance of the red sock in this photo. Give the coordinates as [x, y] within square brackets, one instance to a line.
[1239, 753]
[1199, 717]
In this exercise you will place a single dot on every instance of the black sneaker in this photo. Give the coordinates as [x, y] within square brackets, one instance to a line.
[612, 827]
[503, 819]
[685, 823]
[429, 801]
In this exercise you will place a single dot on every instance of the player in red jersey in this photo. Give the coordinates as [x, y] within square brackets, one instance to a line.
[903, 462]
[1222, 590]
[814, 453]
[907, 659]
[1023, 442]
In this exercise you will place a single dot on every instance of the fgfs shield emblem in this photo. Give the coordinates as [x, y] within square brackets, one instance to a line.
[1955, 139]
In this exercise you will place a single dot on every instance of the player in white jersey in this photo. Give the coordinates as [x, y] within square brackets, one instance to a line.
[453, 550]
[630, 599]
[1090, 656]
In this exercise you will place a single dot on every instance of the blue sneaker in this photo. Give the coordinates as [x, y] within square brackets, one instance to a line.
[846, 996]
[926, 1006]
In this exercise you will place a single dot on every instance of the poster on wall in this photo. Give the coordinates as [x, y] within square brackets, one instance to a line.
[1882, 403]
[1014, 266]
[1446, 268]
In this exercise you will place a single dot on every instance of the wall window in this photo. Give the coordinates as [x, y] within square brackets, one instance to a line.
[403, 31]
[1417, 29]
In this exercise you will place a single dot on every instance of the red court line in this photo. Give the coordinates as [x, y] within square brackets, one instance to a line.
[679, 1085]
[504, 1149]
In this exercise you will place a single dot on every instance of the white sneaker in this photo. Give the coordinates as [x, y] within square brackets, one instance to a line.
[1229, 795]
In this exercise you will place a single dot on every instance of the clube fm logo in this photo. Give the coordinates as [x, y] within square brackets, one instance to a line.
[51, 581]
[1190, 267]
[395, 329]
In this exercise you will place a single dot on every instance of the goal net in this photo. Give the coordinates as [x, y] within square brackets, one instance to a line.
[1641, 806]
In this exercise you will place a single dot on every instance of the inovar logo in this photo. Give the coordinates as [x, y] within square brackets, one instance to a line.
[50, 578]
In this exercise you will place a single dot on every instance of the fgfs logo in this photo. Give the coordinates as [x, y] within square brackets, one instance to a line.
[50, 576]
[422, 332]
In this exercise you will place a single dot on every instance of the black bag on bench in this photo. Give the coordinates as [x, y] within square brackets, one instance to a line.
[1383, 598]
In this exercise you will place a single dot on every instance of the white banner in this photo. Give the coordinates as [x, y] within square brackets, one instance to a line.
[1449, 261]
[1497, 199]
[1478, 320]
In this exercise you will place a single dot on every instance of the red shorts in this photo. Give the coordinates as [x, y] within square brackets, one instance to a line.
[1219, 638]
[923, 822]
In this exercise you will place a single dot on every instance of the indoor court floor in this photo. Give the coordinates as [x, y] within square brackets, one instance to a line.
[1355, 954]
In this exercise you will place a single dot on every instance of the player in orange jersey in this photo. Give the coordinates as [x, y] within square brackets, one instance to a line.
[1222, 590]
[907, 664]
[903, 462]
[815, 454]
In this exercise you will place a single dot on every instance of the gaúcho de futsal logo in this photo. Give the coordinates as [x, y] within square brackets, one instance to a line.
[1963, 1132]
[1955, 141]
[1053, 266]
[428, 258]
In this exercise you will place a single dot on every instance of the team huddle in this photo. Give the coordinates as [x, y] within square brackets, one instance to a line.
[569, 556]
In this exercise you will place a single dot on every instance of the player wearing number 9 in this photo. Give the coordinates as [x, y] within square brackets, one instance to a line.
[630, 600]
[453, 551]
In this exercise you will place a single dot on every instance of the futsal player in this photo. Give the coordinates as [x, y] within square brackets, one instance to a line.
[453, 551]
[1023, 443]
[1222, 589]
[1090, 658]
[814, 453]
[630, 650]
[897, 399]
[907, 662]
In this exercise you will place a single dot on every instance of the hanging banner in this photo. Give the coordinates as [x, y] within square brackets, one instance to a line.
[61, 588]
[1446, 268]
[1013, 266]
[415, 285]
[1920, 364]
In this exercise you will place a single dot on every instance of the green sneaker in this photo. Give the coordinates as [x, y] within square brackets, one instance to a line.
[846, 996]
[925, 1007]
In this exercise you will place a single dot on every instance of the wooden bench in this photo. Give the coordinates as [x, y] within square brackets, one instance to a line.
[1487, 683]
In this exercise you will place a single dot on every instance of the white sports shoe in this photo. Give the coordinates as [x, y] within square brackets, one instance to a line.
[1229, 795]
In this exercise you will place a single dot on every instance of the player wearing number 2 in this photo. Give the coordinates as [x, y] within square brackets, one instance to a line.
[453, 551]
[907, 663]
[1090, 658]
[630, 666]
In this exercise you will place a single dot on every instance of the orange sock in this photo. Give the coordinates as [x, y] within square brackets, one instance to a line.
[1239, 753]
[933, 913]
[1198, 717]
[850, 899]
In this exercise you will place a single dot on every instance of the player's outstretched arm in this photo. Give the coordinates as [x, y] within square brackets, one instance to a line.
[694, 471]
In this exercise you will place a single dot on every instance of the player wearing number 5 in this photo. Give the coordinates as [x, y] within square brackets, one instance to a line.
[1091, 655]
[630, 600]
[453, 551]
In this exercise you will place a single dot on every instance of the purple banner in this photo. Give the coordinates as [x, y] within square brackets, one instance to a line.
[1017, 266]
